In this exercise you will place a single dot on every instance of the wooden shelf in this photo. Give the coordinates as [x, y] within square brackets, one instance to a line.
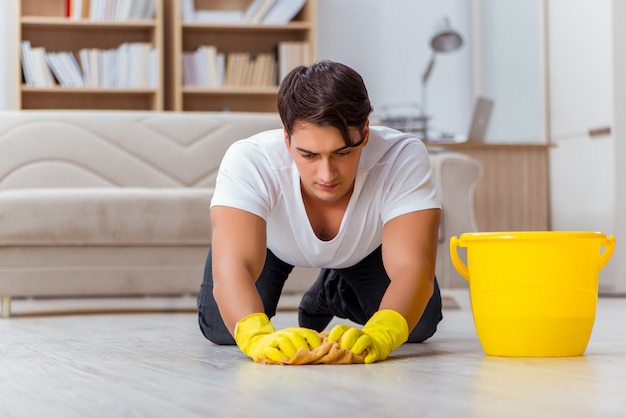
[85, 90]
[231, 90]
[228, 38]
[63, 22]
[289, 27]
[45, 24]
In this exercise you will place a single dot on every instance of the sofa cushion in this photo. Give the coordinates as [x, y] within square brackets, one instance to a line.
[105, 216]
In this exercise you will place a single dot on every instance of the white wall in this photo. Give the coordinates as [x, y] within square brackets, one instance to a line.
[619, 150]
[582, 170]
[8, 54]
[387, 42]
[511, 63]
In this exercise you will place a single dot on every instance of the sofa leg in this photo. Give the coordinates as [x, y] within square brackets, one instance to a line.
[6, 306]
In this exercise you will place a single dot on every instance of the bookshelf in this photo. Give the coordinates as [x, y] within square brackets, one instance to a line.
[47, 24]
[187, 35]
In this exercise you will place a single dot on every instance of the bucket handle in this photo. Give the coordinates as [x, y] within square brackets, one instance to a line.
[463, 271]
[456, 260]
[608, 251]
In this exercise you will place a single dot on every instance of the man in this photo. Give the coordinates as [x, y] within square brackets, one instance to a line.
[327, 191]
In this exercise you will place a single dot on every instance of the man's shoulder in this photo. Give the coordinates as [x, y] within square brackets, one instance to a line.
[386, 143]
[391, 137]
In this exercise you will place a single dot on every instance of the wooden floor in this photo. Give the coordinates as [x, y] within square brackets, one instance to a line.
[159, 365]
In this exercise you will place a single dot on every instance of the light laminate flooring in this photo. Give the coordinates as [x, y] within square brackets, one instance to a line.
[159, 365]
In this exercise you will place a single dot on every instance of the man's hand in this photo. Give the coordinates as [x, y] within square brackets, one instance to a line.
[385, 331]
[257, 338]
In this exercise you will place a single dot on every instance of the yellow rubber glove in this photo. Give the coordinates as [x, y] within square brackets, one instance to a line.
[256, 337]
[385, 331]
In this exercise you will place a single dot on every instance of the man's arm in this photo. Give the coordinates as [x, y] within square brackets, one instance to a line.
[238, 245]
[239, 248]
[409, 253]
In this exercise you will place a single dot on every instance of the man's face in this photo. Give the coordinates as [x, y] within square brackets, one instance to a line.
[327, 166]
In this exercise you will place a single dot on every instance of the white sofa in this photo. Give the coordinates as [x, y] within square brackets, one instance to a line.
[110, 203]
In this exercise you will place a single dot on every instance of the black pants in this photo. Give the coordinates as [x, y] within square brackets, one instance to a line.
[352, 293]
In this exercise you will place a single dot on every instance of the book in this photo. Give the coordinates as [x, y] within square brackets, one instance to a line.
[219, 16]
[43, 75]
[190, 72]
[283, 11]
[56, 69]
[93, 55]
[154, 73]
[75, 9]
[65, 69]
[86, 5]
[96, 10]
[242, 69]
[252, 9]
[221, 67]
[257, 70]
[231, 63]
[28, 68]
[149, 11]
[188, 11]
[123, 9]
[202, 68]
[210, 53]
[74, 68]
[292, 54]
[83, 57]
[262, 10]
[139, 65]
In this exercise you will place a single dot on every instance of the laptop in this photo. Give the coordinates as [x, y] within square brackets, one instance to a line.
[480, 119]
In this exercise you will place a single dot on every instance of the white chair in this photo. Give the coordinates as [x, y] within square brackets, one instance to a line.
[456, 176]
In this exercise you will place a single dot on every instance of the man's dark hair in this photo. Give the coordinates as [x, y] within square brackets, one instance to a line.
[326, 93]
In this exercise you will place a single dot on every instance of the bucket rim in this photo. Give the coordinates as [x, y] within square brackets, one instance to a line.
[531, 235]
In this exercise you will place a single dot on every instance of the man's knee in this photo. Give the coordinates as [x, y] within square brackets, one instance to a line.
[423, 331]
[214, 330]
[427, 325]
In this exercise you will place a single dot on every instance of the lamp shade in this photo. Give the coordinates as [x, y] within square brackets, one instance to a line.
[446, 41]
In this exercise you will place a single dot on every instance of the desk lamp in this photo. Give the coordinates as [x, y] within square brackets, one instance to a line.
[443, 41]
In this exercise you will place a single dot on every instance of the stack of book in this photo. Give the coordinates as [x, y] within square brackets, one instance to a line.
[208, 68]
[65, 69]
[269, 12]
[203, 67]
[110, 9]
[243, 70]
[292, 54]
[34, 66]
[131, 65]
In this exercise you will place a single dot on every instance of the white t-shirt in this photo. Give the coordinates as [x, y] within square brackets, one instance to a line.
[258, 175]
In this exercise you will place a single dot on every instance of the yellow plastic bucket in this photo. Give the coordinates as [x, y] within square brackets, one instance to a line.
[533, 294]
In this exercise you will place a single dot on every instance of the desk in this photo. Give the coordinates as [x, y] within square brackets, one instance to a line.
[513, 194]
